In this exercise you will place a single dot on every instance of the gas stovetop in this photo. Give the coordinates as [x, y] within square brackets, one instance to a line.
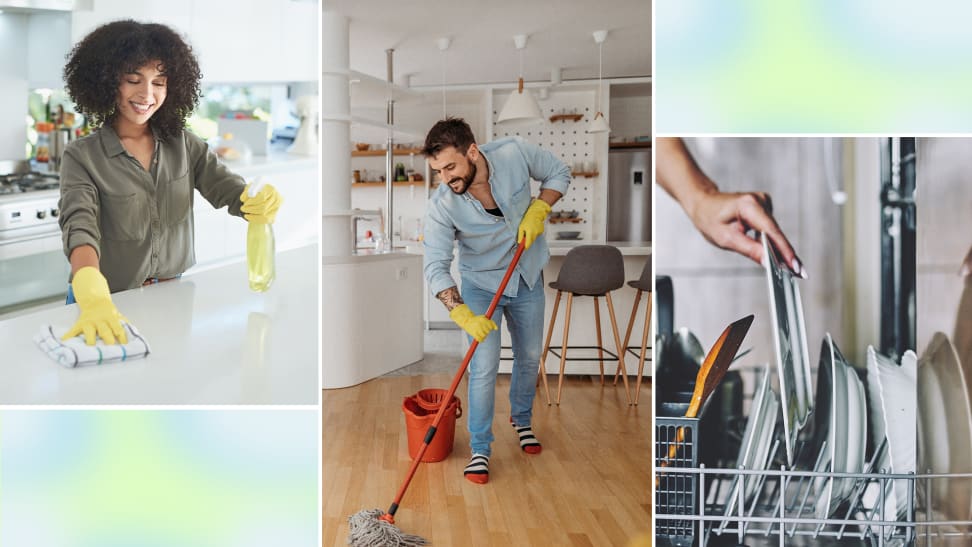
[28, 205]
[21, 183]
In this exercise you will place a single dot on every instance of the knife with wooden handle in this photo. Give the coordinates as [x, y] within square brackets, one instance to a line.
[713, 370]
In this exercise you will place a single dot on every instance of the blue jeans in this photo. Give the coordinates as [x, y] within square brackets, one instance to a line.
[524, 317]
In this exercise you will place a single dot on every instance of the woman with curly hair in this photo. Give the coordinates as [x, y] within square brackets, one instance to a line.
[127, 188]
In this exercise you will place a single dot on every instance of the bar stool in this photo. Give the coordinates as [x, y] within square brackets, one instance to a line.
[643, 284]
[588, 270]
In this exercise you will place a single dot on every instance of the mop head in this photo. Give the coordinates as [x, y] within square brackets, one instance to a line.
[367, 530]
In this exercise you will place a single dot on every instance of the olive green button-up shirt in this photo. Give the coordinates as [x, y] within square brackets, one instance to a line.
[139, 222]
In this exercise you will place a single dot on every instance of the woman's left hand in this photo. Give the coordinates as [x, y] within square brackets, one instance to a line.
[261, 208]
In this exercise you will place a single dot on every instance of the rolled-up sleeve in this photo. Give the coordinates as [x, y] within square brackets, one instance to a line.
[548, 169]
[79, 206]
[440, 233]
[217, 184]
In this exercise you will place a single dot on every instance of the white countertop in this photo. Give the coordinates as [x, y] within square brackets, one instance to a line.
[560, 247]
[276, 161]
[213, 342]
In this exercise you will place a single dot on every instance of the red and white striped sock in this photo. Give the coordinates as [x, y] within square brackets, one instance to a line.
[528, 442]
[477, 470]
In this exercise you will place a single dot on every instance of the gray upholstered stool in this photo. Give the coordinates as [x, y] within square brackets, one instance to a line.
[588, 270]
[643, 285]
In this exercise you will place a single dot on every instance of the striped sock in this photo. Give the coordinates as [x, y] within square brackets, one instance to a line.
[477, 470]
[528, 442]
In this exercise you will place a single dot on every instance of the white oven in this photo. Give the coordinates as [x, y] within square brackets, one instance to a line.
[33, 268]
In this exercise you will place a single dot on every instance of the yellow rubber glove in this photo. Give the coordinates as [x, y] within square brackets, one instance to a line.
[98, 314]
[532, 224]
[478, 326]
[261, 208]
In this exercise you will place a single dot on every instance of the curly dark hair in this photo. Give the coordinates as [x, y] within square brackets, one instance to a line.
[97, 63]
[451, 131]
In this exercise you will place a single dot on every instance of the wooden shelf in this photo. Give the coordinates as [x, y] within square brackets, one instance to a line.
[565, 117]
[382, 184]
[575, 220]
[397, 152]
[619, 145]
[584, 174]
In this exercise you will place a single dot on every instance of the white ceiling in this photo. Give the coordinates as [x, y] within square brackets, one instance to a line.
[482, 49]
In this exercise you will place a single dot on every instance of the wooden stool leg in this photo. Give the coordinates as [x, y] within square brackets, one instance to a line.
[600, 352]
[627, 335]
[621, 352]
[644, 349]
[563, 348]
[542, 372]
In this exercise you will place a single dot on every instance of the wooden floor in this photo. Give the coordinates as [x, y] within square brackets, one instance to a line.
[589, 486]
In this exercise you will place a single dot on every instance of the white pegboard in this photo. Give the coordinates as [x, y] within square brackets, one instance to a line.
[570, 142]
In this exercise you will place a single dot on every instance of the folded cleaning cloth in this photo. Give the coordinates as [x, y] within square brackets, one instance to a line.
[73, 352]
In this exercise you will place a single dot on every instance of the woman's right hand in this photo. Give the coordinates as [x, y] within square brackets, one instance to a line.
[99, 317]
[724, 218]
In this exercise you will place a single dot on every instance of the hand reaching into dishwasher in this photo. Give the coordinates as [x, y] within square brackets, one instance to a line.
[723, 218]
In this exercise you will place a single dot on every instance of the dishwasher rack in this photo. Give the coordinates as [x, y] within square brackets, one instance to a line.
[691, 501]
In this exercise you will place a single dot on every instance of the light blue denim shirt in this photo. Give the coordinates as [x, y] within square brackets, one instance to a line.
[487, 242]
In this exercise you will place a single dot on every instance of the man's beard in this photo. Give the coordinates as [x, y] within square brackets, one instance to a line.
[467, 180]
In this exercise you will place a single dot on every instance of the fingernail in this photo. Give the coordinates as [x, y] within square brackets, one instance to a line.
[965, 270]
[796, 266]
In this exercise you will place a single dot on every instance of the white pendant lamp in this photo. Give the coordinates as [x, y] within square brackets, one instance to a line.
[521, 108]
[599, 124]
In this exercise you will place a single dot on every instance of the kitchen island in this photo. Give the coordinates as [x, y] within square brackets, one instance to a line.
[213, 341]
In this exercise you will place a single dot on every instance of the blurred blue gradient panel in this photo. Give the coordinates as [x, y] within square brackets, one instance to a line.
[762, 66]
[113, 478]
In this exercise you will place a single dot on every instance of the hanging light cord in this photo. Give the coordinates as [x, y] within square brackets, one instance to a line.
[599, 47]
[521, 64]
[442, 55]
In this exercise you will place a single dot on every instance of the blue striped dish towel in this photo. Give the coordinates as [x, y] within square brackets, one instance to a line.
[73, 352]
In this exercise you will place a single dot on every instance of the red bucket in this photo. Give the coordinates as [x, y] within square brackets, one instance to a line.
[420, 410]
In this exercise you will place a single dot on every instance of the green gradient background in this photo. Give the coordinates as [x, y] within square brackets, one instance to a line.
[159, 478]
[764, 66]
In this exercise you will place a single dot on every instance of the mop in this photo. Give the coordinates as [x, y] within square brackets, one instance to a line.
[374, 528]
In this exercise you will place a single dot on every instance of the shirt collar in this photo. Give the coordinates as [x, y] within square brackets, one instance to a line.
[113, 145]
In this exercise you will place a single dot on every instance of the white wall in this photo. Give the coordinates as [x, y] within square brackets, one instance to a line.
[630, 117]
[48, 44]
[13, 85]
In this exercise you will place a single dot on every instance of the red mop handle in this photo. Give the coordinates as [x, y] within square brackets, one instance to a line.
[452, 388]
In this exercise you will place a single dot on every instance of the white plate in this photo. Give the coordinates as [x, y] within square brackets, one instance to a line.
[847, 434]
[792, 358]
[944, 427]
[894, 407]
[856, 429]
[832, 404]
[757, 439]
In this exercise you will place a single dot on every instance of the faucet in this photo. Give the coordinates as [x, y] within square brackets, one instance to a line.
[360, 214]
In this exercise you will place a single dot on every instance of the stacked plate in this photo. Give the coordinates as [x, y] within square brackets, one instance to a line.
[792, 357]
[754, 453]
[944, 428]
[840, 395]
[893, 392]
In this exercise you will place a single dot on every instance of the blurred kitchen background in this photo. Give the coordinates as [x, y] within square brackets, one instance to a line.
[833, 198]
[259, 60]
[944, 240]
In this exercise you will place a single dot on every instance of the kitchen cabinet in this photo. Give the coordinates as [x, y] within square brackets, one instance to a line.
[174, 13]
[220, 237]
[235, 40]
